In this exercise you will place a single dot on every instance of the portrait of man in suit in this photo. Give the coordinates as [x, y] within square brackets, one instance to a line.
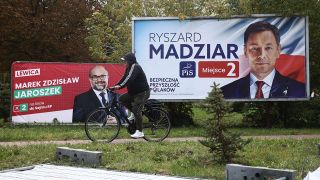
[262, 48]
[97, 96]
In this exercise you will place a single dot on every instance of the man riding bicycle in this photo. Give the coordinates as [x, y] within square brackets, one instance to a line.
[138, 93]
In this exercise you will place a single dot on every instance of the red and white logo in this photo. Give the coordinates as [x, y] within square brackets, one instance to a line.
[16, 108]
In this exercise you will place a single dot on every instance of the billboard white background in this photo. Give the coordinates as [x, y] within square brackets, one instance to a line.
[222, 41]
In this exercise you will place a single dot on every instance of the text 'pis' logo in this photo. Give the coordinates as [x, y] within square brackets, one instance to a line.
[27, 72]
[187, 69]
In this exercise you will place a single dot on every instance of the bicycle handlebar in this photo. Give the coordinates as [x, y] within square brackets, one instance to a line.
[112, 88]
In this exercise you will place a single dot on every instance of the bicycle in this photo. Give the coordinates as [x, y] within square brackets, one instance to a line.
[103, 124]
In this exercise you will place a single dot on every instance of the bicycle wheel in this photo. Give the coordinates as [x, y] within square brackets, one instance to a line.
[102, 126]
[156, 125]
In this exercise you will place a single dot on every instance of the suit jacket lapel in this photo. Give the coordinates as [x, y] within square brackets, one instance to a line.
[94, 99]
[279, 86]
[244, 87]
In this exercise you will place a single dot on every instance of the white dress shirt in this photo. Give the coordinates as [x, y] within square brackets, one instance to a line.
[266, 88]
[100, 98]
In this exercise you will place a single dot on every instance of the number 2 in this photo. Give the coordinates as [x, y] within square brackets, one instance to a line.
[232, 70]
[23, 107]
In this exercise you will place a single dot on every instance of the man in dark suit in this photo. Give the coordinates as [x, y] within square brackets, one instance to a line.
[97, 96]
[262, 48]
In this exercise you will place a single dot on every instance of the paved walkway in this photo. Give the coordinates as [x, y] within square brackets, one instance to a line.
[176, 139]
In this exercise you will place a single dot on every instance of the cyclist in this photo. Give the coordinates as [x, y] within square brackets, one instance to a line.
[138, 93]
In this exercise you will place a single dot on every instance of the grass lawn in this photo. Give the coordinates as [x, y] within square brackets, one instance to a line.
[189, 159]
[68, 132]
[25, 132]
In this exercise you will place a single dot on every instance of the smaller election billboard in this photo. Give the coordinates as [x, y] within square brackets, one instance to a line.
[44, 92]
[183, 58]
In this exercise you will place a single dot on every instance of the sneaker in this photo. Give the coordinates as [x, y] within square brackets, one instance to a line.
[137, 134]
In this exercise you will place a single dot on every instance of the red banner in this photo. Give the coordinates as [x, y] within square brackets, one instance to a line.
[222, 69]
[42, 92]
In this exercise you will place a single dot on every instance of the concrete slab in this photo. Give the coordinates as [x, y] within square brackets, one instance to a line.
[80, 155]
[55, 172]
[238, 171]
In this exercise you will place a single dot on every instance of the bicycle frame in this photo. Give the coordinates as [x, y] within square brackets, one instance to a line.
[116, 109]
[156, 123]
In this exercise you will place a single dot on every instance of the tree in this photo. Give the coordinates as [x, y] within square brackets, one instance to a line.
[44, 30]
[110, 28]
[222, 143]
[110, 31]
[41, 30]
[181, 113]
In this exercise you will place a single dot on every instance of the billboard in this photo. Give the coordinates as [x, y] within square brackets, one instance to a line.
[44, 92]
[182, 58]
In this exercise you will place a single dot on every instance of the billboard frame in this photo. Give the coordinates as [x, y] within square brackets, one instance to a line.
[307, 76]
[52, 63]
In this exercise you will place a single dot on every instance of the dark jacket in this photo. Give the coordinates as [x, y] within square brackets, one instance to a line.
[134, 77]
[282, 87]
[86, 103]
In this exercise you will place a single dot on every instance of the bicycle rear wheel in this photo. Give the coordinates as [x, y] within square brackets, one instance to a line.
[156, 125]
[102, 126]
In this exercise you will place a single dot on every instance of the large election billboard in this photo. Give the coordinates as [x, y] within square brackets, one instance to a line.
[45, 92]
[183, 58]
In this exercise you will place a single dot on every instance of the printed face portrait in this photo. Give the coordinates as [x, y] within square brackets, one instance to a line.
[99, 78]
[262, 51]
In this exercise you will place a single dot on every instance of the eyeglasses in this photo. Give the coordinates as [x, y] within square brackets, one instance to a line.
[102, 77]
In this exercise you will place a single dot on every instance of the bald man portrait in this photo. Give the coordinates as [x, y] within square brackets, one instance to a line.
[97, 96]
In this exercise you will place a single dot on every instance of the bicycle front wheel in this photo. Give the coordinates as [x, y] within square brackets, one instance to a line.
[156, 125]
[102, 126]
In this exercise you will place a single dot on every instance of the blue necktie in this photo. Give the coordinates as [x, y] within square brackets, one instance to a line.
[104, 101]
